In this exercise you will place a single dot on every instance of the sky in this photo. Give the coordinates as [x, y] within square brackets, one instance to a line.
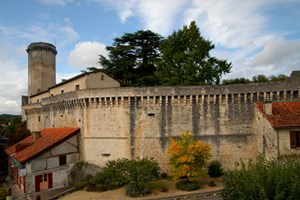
[256, 36]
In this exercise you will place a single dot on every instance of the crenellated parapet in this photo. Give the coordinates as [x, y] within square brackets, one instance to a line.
[174, 96]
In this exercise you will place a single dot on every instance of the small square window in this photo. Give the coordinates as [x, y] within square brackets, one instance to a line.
[77, 87]
[63, 160]
[62, 91]
[295, 139]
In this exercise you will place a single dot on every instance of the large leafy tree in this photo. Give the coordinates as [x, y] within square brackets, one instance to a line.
[132, 57]
[185, 59]
[16, 131]
[188, 158]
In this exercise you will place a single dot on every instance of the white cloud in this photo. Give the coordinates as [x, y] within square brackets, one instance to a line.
[54, 2]
[86, 54]
[159, 16]
[156, 15]
[13, 84]
[277, 55]
[241, 28]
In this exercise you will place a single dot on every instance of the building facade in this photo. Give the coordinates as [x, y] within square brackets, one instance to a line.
[41, 163]
[138, 122]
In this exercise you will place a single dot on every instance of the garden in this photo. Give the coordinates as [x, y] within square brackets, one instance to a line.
[192, 170]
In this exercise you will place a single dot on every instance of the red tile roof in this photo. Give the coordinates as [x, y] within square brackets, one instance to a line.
[28, 148]
[284, 114]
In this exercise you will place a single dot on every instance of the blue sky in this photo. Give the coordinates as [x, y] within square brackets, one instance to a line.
[256, 36]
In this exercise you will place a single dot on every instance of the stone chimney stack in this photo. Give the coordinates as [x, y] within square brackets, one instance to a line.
[36, 135]
[268, 108]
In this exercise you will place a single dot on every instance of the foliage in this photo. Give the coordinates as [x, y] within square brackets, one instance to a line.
[188, 157]
[80, 165]
[16, 131]
[185, 59]
[114, 173]
[188, 185]
[215, 169]
[267, 179]
[133, 191]
[260, 78]
[236, 81]
[280, 77]
[111, 177]
[132, 57]
[141, 171]
[6, 118]
[255, 79]
[117, 173]
[3, 193]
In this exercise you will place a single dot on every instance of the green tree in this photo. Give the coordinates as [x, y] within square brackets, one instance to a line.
[260, 78]
[132, 57]
[16, 131]
[236, 81]
[279, 77]
[188, 158]
[185, 59]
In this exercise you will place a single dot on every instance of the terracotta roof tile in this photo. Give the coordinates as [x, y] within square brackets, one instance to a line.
[284, 114]
[29, 147]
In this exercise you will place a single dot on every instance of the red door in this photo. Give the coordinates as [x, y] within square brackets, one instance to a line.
[43, 182]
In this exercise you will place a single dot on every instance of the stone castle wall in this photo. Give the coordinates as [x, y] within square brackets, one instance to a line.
[138, 122]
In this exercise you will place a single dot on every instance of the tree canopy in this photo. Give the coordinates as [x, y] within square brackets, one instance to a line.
[16, 130]
[132, 57]
[185, 59]
[144, 58]
[188, 158]
[255, 79]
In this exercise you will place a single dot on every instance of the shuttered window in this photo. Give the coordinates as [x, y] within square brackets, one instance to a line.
[295, 139]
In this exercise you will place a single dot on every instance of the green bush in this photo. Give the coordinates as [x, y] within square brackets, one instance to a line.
[133, 191]
[139, 173]
[118, 173]
[188, 185]
[267, 179]
[215, 169]
[84, 182]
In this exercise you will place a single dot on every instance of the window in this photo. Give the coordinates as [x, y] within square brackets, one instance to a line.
[295, 139]
[77, 87]
[62, 91]
[63, 160]
[102, 77]
[39, 118]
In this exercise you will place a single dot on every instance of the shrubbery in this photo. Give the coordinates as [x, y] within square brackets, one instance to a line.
[188, 185]
[267, 179]
[214, 169]
[117, 173]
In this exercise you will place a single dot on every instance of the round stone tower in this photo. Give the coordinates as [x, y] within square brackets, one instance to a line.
[41, 67]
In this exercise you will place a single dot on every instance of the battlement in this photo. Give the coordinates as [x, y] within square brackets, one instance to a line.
[38, 46]
[188, 95]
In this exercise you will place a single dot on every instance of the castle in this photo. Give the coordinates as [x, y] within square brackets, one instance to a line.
[136, 122]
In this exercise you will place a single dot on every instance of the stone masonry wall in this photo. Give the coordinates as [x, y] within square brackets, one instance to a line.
[138, 122]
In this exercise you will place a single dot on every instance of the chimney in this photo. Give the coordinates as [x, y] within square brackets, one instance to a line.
[36, 135]
[268, 108]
